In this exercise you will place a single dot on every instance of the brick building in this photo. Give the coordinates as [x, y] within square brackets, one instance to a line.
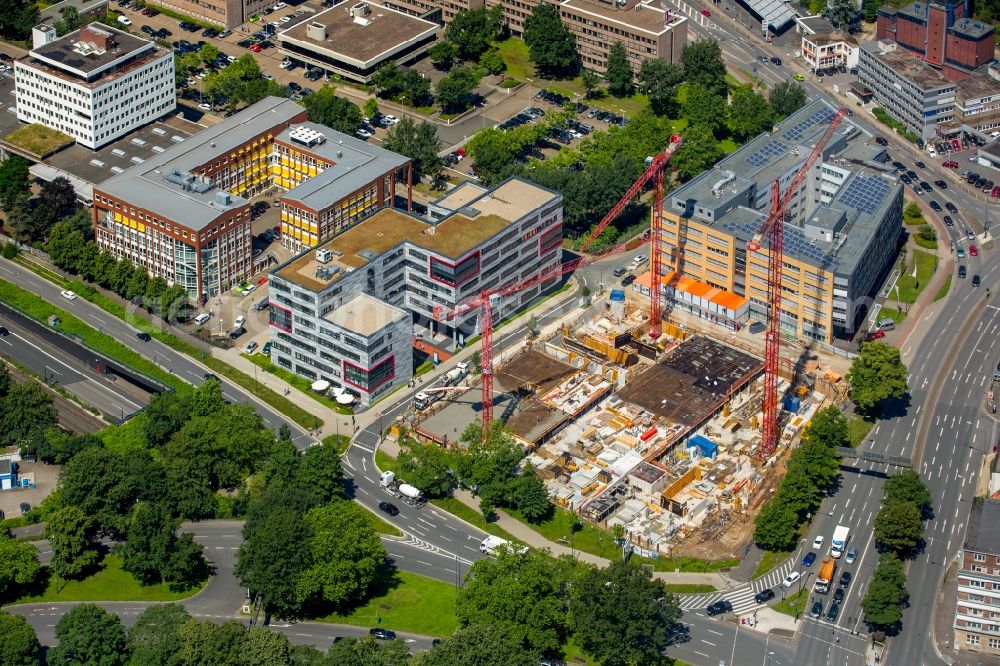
[977, 610]
[944, 35]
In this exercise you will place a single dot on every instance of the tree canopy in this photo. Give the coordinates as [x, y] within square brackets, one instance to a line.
[703, 65]
[704, 107]
[68, 532]
[882, 603]
[877, 373]
[899, 526]
[749, 113]
[658, 80]
[90, 636]
[843, 14]
[699, 151]
[419, 143]
[786, 98]
[619, 72]
[480, 645]
[328, 108]
[18, 643]
[550, 43]
[19, 566]
[472, 31]
[907, 486]
[155, 638]
[453, 91]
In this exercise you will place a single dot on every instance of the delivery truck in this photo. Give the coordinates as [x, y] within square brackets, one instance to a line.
[838, 544]
[825, 575]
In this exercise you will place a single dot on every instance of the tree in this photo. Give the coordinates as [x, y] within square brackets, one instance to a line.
[208, 53]
[65, 246]
[749, 113]
[27, 410]
[619, 71]
[416, 90]
[166, 414]
[207, 399]
[843, 14]
[492, 61]
[776, 526]
[472, 31]
[205, 643]
[443, 54]
[370, 108]
[877, 373]
[907, 486]
[622, 615]
[590, 81]
[426, 466]
[58, 195]
[88, 635]
[528, 494]
[699, 151]
[869, 8]
[551, 45]
[153, 551]
[705, 108]
[68, 532]
[703, 66]
[388, 79]
[453, 89]
[520, 594]
[658, 80]
[263, 647]
[886, 593]
[320, 475]
[327, 108]
[898, 526]
[18, 643]
[274, 554]
[419, 143]
[346, 554]
[13, 181]
[57, 447]
[18, 565]
[480, 645]
[155, 638]
[70, 21]
[828, 426]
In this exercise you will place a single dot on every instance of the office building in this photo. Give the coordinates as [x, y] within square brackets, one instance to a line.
[829, 49]
[354, 41]
[977, 610]
[95, 84]
[643, 27]
[977, 103]
[942, 34]
[439, 11]
[910, 90]
[840, 237]
[225, 13]
[476, 239]
[184, 213]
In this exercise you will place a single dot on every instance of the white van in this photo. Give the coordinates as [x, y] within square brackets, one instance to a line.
[887, 324]
[201, 319]
[124, 20]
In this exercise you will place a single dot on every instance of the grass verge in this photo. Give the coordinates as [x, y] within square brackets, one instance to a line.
[793, 604]
[110, 583]
[589, 538]
[909, 286]
[891, 313]
[468, 514]
[769, 562]
[408, 603]
[340, 442]
[689, 588]
[857, 428]
[943, 291]
[689, 564]
[383, 527]
[516, 56]
[303, 384]
[385, 462]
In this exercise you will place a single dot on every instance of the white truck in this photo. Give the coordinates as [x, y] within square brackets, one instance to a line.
[402, 491]
[838, 544]
[457, 374]
[492, 543]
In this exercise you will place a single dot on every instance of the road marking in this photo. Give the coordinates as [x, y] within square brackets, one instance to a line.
[366, 450]
[713, 631]
[708, 643]
[695, 651]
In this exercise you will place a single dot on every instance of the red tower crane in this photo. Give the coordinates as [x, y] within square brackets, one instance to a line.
[483, 300]
[773, 230]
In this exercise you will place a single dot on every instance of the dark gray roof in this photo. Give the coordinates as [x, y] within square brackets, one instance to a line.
[973, 28]
[983, 534]
[775, 12]
[67, 52]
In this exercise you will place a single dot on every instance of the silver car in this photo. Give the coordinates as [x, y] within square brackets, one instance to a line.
[852, 554]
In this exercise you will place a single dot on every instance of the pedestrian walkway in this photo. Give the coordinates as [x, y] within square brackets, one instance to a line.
[742, 597]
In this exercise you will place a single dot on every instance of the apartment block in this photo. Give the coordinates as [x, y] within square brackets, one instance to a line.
[943, 34]
[643, 27]
[910, 90]
[977, 610]
[96, 84]
[840, 236]
[184, 213]
[476, 239]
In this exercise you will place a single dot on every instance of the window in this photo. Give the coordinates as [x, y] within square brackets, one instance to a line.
[979, 557]
[972, 639]
[994, 643]
[370, 379]
[454, 274]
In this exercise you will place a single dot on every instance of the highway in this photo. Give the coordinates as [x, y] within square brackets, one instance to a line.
[114, 398]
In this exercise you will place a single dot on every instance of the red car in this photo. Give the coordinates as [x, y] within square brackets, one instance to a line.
[950, 164]
[996, 191]
[973, 250]
[705, 12]
[255, 48]
[877, 334]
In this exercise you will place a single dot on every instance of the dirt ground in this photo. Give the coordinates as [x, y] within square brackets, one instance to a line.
[45, 483]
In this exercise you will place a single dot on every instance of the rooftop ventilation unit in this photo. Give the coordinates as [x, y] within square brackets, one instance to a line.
[306, 136]
[201, 185]
[223, 198]
[727, 177]
[326, 273]
[324, 256]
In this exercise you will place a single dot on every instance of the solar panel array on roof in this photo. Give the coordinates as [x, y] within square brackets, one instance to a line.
[795, 242]
[865, 193]
[764, 154]
[821, 117]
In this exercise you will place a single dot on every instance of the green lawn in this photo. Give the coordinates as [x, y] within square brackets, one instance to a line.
[410, 603]
[858, 428]
[110, 583]
[793, 604]
[340, 442]
[589, 539]
[769, 562]
[689, 588]
[515, 55]
[384, 461]
[689, 564]
[943, 291]
[909, 286]
[891, 313]
[303, 384]
[383, 527]
[473, 517]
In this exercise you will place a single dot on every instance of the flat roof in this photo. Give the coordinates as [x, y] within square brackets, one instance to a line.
[365, 315]
[692, 382]
[361, 38]
[977, 86]
[147, 184]
[775, 12]
[640, 15]
[461, 195]
[983, 533]
[909, 66]
[70, 52]
[452, 236]
[816, 24]
[355, 163]
[531, 418]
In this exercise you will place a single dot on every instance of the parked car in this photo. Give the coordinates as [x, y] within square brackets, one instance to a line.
[251, 347]
[266, 349]
[764, 596]
[25, 508]
[757, 327]
[620, 271]
[382, 634]
[719, 607]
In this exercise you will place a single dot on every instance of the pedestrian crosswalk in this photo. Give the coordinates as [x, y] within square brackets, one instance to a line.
[742, 597]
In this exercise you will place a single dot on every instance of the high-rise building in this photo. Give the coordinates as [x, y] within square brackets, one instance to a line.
[977, 610]
[96, 84]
